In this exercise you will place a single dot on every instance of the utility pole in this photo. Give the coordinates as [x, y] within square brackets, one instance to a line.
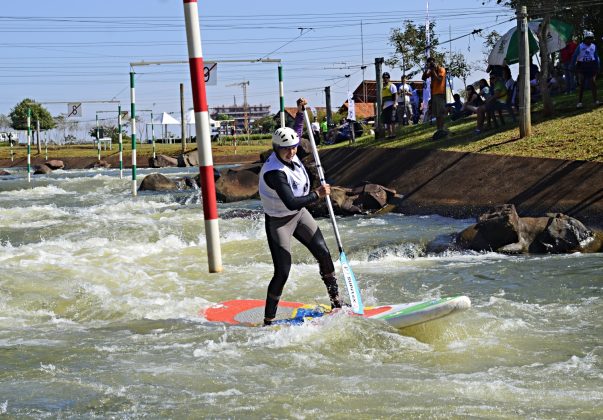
[525, 118]
[182, 122]
[244, 84]
[328, 105]
[378, 89]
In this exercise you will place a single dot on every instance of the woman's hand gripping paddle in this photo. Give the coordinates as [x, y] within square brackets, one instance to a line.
[348, 274]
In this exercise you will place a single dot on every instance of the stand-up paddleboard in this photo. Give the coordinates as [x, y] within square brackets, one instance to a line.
[251, 312]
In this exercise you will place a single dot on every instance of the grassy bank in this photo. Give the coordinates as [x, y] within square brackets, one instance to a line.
[570, 134]
[143, 151]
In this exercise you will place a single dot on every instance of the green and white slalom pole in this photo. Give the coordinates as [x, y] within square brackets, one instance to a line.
[281, 92]
[28, 144]
[133, 128]
[121, 146]
[97, 139]
[203, 131]
[348, 275]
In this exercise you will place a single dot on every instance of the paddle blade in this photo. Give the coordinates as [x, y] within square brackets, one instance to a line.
[351, 285]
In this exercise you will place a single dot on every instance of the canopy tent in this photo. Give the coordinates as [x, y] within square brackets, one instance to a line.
[165, 119]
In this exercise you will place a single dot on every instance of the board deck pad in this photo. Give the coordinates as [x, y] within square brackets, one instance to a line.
[251, 311]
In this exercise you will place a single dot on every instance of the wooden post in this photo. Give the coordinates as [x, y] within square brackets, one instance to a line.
[378, 121]
[182, 122]
[525, 118]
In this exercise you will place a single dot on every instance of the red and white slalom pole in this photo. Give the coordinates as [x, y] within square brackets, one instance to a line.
[202, 129]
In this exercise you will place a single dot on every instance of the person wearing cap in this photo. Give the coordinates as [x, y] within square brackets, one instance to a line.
[437, 74]
[284, 188]
[404, 105]
[389, 96]
[587, 64]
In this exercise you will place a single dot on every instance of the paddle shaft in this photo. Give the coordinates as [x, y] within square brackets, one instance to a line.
[348, 274]
[321, 176]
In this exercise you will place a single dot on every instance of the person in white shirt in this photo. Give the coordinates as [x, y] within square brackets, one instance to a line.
[404, 111]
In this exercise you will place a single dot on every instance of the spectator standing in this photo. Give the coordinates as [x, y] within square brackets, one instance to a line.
[587, 64]
[414, 101]
[404, 112]
[316, 131]
[324, 129]
[389, 95]
[437, 74]
[566, 55]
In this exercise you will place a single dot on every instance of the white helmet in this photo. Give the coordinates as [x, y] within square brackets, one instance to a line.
[589, 34]
[285, 137]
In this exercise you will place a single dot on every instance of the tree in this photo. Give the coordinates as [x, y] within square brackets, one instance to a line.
[5, 121]
[459, 67]
[410, 44]
[490, 40]
[108, 130]
[265, 124]
[18, 116]
[581, 14]
[222, 117]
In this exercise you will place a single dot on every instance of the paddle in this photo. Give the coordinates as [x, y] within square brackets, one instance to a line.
[348, 274]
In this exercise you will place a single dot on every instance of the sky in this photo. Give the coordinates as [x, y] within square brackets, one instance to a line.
[77, 51]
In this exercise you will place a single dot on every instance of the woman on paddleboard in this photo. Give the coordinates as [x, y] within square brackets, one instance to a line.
[285, 192]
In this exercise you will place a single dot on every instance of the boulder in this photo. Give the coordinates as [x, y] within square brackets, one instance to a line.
[99, 164]
[502, 230]
[562, 234]
[55, 164]
[197, 178]
[157, 182]
[42, 170]
[162, 161]
[3, 172]
[371, 197]
[188, 159]
[493, 230]
[236, 184]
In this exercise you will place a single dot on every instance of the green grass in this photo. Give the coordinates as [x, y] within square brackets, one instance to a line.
[572, 134]
[254, 147]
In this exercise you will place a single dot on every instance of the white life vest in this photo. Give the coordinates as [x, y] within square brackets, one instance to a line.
[586, 52]
[298, 181]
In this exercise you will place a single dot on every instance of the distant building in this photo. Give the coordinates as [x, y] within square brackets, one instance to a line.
[237, 112]
[366, 90]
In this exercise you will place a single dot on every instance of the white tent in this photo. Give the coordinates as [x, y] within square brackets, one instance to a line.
[189, 117]
[166, 119]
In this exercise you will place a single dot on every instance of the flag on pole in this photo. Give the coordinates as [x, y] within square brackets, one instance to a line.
[351, 107]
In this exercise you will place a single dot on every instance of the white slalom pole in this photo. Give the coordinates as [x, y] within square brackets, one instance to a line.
[350, 280]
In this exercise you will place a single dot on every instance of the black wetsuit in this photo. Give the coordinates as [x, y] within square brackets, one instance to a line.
[302, 227]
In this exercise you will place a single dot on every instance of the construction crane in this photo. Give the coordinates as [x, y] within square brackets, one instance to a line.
[244, 84]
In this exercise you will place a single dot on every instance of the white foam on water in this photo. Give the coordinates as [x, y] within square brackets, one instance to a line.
[46, 192]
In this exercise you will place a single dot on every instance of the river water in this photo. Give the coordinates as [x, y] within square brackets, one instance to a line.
[100, 296]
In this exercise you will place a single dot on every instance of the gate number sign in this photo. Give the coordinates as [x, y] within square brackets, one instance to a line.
[74, 109]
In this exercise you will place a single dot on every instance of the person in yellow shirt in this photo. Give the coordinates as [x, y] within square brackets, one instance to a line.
[437, 74]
